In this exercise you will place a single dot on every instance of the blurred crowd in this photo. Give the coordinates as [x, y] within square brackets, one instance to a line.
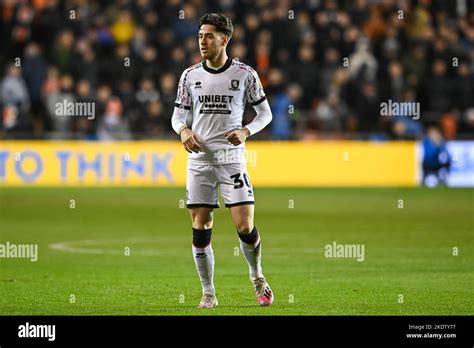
[326, 65]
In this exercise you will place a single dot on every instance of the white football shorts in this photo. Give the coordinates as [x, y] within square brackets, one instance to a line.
[203, 182]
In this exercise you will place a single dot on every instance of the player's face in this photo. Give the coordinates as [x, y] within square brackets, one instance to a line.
[211, 42]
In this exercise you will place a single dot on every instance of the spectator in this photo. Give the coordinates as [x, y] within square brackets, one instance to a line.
[356, 52]
[149, 65]
[415, 65]
[438, 89]
[34, 71]
[87, 65]
[85, 94]
[154, 121]
[113, 126]
[436, 159]
[147, 93]
[367, 108]
[104, 93]
[463, 87]
[405, 127]
[61, 123]
[123, 28]
[186, 23]
[394, 84]
[306, 72]
[331, 114]
[62, 51]
[120, 67]
[14, 90]
[362, 63]
[167, 97]
[284, 105]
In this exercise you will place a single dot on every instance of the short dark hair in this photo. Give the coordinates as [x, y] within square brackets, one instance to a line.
[220, 21]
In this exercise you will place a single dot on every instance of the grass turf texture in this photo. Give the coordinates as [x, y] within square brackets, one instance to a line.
[407, 252]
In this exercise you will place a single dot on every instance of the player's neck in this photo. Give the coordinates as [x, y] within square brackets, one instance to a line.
[218, 61]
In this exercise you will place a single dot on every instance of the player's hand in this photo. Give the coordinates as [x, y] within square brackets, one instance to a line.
[238, 136]
[190, 141]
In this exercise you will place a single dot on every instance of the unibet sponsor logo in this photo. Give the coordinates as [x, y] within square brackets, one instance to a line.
[215, 104]
[215, 98]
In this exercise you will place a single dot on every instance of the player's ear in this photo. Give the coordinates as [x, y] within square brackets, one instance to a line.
[225, 40]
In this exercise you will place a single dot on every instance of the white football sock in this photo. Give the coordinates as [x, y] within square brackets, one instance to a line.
[253, 255]
[204, 260]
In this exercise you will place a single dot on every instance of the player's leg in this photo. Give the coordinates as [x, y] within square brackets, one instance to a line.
[242, 216]
[237, 191]
[201, 217]
[201, 196]
[203, 254]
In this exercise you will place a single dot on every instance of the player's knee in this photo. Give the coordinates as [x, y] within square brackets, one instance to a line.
[244, 227]
[201, 221]
[198, 225]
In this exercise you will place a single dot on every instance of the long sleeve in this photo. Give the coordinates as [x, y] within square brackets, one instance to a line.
[182, 105]
[178, 120]
[262, 119]
[256, 97]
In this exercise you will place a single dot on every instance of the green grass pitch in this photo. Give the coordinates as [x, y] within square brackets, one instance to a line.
[409, 266]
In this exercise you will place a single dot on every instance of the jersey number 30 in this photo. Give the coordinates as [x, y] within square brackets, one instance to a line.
[238, 181]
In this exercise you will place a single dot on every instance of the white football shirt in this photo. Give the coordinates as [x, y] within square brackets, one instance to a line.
[216, 99]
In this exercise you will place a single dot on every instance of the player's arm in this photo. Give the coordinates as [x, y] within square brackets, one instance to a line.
[256, 97]
[262, 119]
[182, 108]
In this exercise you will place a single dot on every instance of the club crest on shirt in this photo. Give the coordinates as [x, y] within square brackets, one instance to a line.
[234, 85]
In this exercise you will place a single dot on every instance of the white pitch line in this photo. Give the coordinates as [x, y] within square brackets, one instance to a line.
[73, 247]
[87, 247]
